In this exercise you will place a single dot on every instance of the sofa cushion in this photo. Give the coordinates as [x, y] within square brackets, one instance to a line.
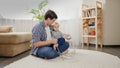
[5, 29]
[10, 50]
[15, 37]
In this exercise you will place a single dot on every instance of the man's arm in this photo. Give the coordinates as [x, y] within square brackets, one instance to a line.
[44, 43]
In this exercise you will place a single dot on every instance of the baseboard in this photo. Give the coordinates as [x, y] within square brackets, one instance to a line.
[103, 45]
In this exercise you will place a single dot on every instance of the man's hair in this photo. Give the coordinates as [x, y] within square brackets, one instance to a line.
[50, 14]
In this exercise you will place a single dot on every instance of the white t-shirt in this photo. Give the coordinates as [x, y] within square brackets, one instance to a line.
[48, 33]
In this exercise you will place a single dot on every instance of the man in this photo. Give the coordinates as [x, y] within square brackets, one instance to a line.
[42, 46]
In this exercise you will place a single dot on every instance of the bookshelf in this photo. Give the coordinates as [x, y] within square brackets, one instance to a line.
[92, 22]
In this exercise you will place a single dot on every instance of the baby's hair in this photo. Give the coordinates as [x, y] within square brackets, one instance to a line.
[55, 25]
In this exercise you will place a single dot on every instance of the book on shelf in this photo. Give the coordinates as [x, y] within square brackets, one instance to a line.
[88, 13]
[93, 13]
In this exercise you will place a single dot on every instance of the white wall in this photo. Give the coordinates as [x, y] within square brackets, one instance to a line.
[111, 22]
[66, 9]
[19, 25]
[19, 9]
[1, 19]
[1, 16]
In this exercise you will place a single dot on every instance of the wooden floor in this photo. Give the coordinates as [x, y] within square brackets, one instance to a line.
[108, 49]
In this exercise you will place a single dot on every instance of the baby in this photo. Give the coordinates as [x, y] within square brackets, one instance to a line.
[57, 34]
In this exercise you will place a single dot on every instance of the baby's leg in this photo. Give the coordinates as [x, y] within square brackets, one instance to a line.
[64, 48]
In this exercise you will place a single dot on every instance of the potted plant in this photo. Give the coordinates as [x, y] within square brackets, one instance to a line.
[39, 12]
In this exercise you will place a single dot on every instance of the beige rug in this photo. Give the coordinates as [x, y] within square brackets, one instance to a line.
[81, 59]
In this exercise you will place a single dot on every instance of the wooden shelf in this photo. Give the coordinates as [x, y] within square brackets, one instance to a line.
[89, 36]
[92, 16]
[91, 8]
[88, 17]
[91, 27]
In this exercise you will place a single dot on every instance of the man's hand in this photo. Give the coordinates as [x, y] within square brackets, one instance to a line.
[55, 46]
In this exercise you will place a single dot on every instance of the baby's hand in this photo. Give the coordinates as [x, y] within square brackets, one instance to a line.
[55, 46]
[68, 37]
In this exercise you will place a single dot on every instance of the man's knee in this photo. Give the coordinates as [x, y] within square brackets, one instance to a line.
[52, 54]
[48, 53]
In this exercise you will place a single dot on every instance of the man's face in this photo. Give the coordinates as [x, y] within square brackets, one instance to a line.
[50, 21]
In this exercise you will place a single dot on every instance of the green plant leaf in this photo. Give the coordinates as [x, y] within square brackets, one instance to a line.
[42, 4]
[39, 13]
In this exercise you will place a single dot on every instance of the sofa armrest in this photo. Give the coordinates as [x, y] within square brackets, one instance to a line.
[6, 29]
